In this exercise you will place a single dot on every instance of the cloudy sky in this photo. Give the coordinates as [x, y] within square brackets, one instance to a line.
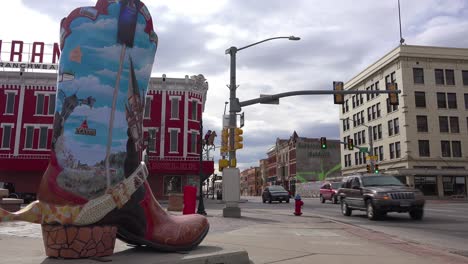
[339, 38]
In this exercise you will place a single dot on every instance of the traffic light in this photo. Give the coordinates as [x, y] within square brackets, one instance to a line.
[376, 168]
[338, 98]
[368, 168]
[224, 140]
[238, 144]
[323, 142]
[392, 97]
[222, 163]
[350, 144]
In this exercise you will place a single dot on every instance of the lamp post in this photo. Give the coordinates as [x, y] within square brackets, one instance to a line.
[232, 210]
[371, 141]
[201, 206]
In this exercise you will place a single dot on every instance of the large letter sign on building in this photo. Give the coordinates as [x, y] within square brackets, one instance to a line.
[95, 177]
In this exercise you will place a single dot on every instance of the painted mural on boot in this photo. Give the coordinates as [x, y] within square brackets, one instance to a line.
[104, 70]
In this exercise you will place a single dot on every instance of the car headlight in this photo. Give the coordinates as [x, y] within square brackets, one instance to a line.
[382, 195]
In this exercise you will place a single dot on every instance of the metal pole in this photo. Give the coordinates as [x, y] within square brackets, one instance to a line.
[201, 206]
[232, 112]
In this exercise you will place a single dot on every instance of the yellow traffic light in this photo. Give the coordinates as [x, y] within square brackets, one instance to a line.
[368, 168]
[350, 144]
[238, 144]
[223, 163]
[224, 141]
[338, 98]
[392, 97]
[233, 163]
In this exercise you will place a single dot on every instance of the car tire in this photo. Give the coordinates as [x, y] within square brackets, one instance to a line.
[372, 213]
[270, 200]
[345, 210]
[416, 214]
[335, 199]
[322, 200]
[264, 201]
[287, 201]
[280, 201]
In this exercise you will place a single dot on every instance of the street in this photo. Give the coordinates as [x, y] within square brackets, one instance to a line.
[445, 223]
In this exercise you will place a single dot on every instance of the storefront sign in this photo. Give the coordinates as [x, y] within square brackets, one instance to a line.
[182, 167]
[36, 53]
[27, 65]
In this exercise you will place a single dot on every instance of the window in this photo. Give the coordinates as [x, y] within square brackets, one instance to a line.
[421, 123]
[445, 147]
[193, 145]
[392, 150]
[369, 115]
[362, 99]
[439, 76]
[396, 125]
[362, 117]
[390, 127]
[152, 140]
[391, 108]
[194, 110]
[456, 149]
[381, 153]
[6, 135]
[465, 77]
[452, 100]
[363, 133]
[418, 75]
[51, 104]
[40, 104]
[175, 108]
[378, 109]
[397, 150]
[10, 103]
[377, 88]
[29, 137]
[43, 137]
[147, 108]
[466, 101]
[420, 99]
[368, 95]
[173, 139]
[424, 150]
[347, 106]
[379, 129]
[443, 124]
[450, 77]
[441, 102]
[356, 158]
[454, 127]
[354, 101]
[373, 112]
[374, 132]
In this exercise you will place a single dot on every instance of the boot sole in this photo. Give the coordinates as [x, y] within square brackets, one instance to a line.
[132, 239]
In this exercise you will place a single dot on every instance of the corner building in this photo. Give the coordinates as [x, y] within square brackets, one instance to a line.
[423, 141]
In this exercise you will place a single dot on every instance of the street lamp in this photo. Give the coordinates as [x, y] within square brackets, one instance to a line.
[201, 205]
[232, 209]
[371, 141]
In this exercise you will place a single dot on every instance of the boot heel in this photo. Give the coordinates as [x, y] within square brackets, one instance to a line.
[71, 242]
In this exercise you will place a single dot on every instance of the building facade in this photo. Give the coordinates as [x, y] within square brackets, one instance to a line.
[423, 140]
[173, 110]
[251, 182]
[296, 162]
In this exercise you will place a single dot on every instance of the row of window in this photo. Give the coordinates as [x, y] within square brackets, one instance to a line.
[359, 157]
[441, 76]
[49, 109]
[444, 100]
[448, 148]
[173, 140]
[373, 112]
[447, 124]
[41, 107]
[28, 143]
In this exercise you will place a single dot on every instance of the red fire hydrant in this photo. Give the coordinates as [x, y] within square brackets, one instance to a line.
[298, 205]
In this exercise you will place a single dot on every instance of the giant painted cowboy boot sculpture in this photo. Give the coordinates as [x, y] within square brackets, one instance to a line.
[95, 187]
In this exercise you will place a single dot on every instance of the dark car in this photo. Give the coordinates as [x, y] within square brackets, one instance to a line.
[378, 194]
[275, 193]
[328, 192]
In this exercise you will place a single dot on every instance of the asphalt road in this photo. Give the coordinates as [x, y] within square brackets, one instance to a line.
[445, 224]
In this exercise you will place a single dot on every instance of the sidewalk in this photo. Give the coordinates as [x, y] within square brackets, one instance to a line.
[261, 235]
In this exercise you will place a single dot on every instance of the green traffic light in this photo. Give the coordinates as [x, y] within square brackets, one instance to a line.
[324, 146]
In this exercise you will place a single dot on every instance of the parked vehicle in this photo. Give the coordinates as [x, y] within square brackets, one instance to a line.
[378, 194]
[275, 193]
[328, 192]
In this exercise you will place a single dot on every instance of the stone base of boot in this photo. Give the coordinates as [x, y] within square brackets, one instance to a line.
[72, 242]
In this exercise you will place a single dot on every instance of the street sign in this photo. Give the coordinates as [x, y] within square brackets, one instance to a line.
[372, 157]
[363, 149]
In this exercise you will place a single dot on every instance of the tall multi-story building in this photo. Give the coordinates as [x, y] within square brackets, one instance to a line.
[423, 140]
[171, 124]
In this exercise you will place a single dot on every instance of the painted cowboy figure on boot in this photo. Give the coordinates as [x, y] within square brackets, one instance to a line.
[95, 181]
